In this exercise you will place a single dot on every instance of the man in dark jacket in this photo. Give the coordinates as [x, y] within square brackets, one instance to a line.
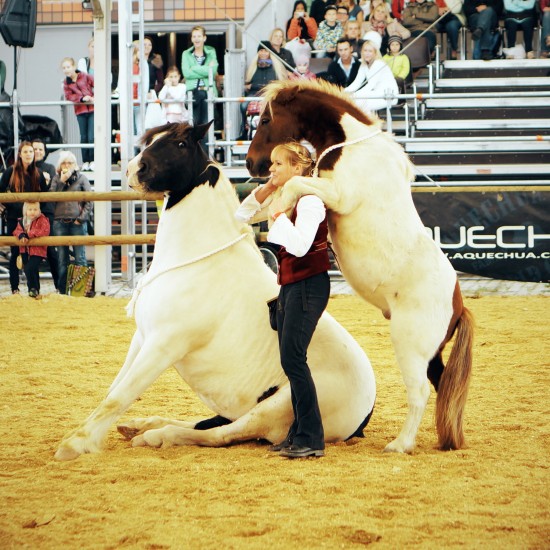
[317, 10]
[482, 18]
[344, 70]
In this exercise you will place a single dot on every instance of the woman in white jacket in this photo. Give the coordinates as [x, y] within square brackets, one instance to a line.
[374, 78]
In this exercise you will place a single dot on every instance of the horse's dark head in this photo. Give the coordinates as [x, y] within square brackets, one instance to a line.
[173, 161]
[300, 110]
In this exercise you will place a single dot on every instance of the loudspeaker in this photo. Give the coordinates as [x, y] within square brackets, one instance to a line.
[18, 23]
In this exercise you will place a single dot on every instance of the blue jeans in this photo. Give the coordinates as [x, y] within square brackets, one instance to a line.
[86, 127]
[299, 307]
[451, 25]
[487, 21]
[62, 229]
[545, 31]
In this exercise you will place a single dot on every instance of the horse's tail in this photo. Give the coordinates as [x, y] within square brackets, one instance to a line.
[453, 386]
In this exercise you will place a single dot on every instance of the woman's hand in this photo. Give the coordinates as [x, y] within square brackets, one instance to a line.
[65, 174]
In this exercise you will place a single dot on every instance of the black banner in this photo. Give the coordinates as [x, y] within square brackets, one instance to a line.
[501, 235]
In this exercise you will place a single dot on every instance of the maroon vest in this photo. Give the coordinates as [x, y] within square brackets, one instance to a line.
[293, 269]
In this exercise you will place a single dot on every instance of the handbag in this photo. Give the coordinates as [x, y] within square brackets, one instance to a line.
[272, 307]
[80, 280]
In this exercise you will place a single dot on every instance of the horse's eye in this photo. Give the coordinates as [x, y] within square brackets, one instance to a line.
[265, 121]
[182, 144]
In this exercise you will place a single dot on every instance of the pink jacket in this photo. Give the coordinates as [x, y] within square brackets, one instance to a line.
[75, 91]
[39, 228]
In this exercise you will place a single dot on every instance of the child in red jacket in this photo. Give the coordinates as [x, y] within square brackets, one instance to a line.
[32, 224]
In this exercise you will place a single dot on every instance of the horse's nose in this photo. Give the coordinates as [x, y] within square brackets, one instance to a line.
[249, 164]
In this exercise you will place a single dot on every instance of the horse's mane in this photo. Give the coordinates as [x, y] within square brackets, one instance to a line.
[272, 90]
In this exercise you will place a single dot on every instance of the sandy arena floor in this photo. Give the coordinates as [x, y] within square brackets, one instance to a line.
[59, 355]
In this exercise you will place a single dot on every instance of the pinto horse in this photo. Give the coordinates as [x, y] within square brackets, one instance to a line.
[201, 308]
[381, 244]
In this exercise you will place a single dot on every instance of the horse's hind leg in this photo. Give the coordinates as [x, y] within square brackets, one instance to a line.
[137, 426]
[415, 343]
[270, 419]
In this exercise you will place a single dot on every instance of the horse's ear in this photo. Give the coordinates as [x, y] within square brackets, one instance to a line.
[213, 175]
[200, 130]
[287, 95]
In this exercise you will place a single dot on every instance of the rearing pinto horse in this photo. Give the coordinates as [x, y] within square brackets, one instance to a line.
[383, 249]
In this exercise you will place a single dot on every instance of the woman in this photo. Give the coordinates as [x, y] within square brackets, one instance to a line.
[374, 77]
[71, 217]
[354, 9]
[263, 69]
[154, 65]
[305, 288]
[381, 21]
[277, 46]
[79, 88]
[301, 25]
[22, 177]
[545, 22]
[87, 64]
[520, 14]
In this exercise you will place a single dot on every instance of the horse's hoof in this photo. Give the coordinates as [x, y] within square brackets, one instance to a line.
[127, 432]
[396, 447]
[65, 452]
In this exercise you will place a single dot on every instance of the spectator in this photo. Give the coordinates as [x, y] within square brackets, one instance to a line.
[305, 288]
[301, 25]
[330, 31]
[343, 70]
[381, 21]
[79, 88]
[48, 208]
[22, 177]
[154, 65]
[352, 31]
[175, 91]
[342, 14]
[277, 45]
[451, 23]
[545, 22]
[396, 8]
[398, 62]
[33, 224]
[71, 217]
[86, 64]
[136, 89]
[374, 77]
[520, 14]
[355, 12]
[482, 16]
[263, 69]
[198, 64]
[302, 69]
[418, 16]
[317, 10]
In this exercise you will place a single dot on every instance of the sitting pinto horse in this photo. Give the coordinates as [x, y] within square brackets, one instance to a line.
[382, 246]
[201, 308]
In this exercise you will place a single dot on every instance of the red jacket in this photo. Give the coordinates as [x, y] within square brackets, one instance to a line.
[39, 228]
[75, 92]
[295, 31]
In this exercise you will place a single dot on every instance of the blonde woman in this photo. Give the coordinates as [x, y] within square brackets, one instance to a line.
[382, 22]
[277, 45]
[374, 77]
[305, 288]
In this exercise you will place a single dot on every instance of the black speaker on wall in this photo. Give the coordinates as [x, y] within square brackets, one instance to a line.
[18, 23]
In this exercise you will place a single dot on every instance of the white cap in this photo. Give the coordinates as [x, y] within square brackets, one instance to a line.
[374, 37]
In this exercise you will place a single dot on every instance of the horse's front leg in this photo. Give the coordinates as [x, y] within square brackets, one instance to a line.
[298, 186]
[149, 363]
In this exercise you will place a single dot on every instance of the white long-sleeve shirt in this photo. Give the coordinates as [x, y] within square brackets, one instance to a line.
[375, 80]
[297, 238]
